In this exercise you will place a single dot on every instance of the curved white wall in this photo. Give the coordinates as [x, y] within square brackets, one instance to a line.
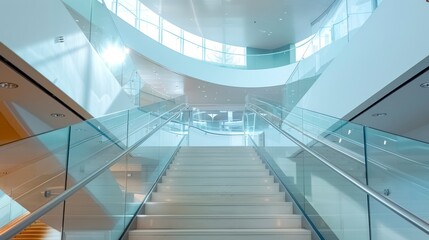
[29, 28]
[202, 70]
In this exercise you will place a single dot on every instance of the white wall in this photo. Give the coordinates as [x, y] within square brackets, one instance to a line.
[29, 28]
[202, 70]
[378, 58]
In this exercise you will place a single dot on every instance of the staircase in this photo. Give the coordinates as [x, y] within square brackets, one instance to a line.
[213, 193]
[38, 230]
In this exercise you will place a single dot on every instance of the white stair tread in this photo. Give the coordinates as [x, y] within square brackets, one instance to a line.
[219, 188]
[162, 208]
[274, 221]
[224, 234]
[174, 181]
[219, 204]
[218, 174]
[217, 168]
[222, 231]
[218, 197]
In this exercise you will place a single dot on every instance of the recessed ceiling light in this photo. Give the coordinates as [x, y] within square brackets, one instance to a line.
[8, 85]
[57, 115]
[379, 114]
[425, 85]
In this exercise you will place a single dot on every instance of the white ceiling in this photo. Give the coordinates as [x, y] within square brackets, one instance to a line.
[405, 111]
[267, 24]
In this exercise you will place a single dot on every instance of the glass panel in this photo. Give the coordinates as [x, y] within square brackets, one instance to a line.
[33, 172]
[398, 167]
[235, 55]
[94, 142]
[387, 225]
[98, 209]
[149, 22]
[145, 164]
[213, 51]
[359, 11]
[192, 45]
[47, 227]
[171, 36]
[336, 207]
[127, 10]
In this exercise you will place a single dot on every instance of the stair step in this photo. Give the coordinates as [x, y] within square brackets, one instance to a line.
[216, 162]
[224, 234]
[217, 168]
[218, 221]
[215, 189]
[220, 162]
[170, 208]
[213, 193]
[217, 197]
[217, 181]
[226, 158]
[173, 173]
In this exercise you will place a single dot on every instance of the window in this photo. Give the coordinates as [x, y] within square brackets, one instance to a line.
[214, 51]
[235, 55]
[171, 36]
[149, 22]
[192, 45]
[127, 10]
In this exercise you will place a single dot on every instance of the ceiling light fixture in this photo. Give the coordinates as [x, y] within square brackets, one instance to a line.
[424, 85]
[379, 114]
[8, 85]
[57, 115]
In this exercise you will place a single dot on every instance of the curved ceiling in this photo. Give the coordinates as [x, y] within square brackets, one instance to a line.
[267, 24]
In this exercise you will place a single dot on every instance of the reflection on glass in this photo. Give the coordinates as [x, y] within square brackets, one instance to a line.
[34, 172]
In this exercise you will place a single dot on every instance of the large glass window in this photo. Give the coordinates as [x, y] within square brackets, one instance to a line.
[149, 22]
[127, 9]
[192, 45]
[171, 36]
[214, 51]
[235, 55]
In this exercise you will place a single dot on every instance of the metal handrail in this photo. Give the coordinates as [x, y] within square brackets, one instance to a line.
[400, 211]
[329, 144]
[281, 108]
[29, 219]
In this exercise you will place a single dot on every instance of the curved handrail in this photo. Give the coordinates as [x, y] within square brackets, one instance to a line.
[400, 211]
[29, 219]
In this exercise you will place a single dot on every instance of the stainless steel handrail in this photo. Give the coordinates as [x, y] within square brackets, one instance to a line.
[332, 133]
[329, 144]
[29, 219]
[402, 212]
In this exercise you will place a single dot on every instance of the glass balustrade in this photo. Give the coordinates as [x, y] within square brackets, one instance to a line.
[38, 169]
[393, 166]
